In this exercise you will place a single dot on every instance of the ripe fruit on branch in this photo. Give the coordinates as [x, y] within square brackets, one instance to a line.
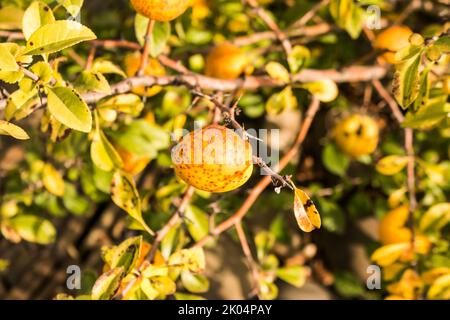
[357, 135]
[160, 10]
[213, 159]
[132, 63]
[226, 61]
[392, 40]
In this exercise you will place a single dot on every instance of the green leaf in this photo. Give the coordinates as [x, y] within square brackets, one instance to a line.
[93, 81]
[195, 283]
[264, 242]
[348, 16]
[197, 222]
[20, 104]
[107, 285]
[436, 217]
[406, 80]
[294, 275]
[334, 160]
[36, 15]
[125, 195]
[9, 129]
[43, 71]
[443, 43]
[333, 218]
[160, 35]
[143, 138]
[429, 115]
[126, 254]
[348, 285]
[34, 229]
[7, 59]
[103, 153]
[57, 36]
[73, 201]
[67, 106]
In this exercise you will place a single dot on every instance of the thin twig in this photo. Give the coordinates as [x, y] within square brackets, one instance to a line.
[253, 266]
[147, 47]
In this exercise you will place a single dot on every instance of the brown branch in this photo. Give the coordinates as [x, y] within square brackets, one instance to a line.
[310, 14]
[411, 180]
[253, 266]
[147, 47]
[389, 100]
[265, 182]
[281, 36]
[350, 74]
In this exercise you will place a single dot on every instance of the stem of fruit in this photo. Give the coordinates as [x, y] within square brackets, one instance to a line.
[147, 47]
[265, 182]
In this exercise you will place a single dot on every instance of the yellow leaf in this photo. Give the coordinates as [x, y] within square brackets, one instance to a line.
[387, 255]
[192, 259]
[436, 217]
[125, 195]
[306, 213]
[52, 180]
[325, 90]
[103, 153]
[57, 36]
[391, 165]
[396, 197]
[278, 72]
[409, 286]
[440, 288]
[36, 15]
[9, 129]
[7, 60]
[430, 276]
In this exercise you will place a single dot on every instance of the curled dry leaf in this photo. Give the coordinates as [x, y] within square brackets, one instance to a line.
[306, 213]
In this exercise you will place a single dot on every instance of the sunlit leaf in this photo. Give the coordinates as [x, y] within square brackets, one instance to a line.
[10, 129]
[67, 106]
[36, 15]
[391, 165]
[195, 283]
[52, 180]
[57, 36]
[107, 285]
[387, 255]
[278, 72]
[34, 229]
[436, 217]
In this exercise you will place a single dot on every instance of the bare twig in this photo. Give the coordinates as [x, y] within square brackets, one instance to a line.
[281, 36]
[310, 14]
[147, 47]
[253, 266]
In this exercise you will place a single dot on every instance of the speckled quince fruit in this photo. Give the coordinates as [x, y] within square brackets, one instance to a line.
[213, 159]
[357, 135]
[160, 10]
[132, 62]
[392, 40]
[226, 61]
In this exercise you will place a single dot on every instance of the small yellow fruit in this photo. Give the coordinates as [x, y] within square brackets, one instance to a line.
[392, 40]
[213, 159]
[160, 10]
[226, 61]
[154, 68]
[357, 135]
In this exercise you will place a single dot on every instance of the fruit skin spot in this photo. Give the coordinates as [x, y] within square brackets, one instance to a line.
[392, 40]
[160, 10]
[221, 164]
[226, 61]
[357, 135]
